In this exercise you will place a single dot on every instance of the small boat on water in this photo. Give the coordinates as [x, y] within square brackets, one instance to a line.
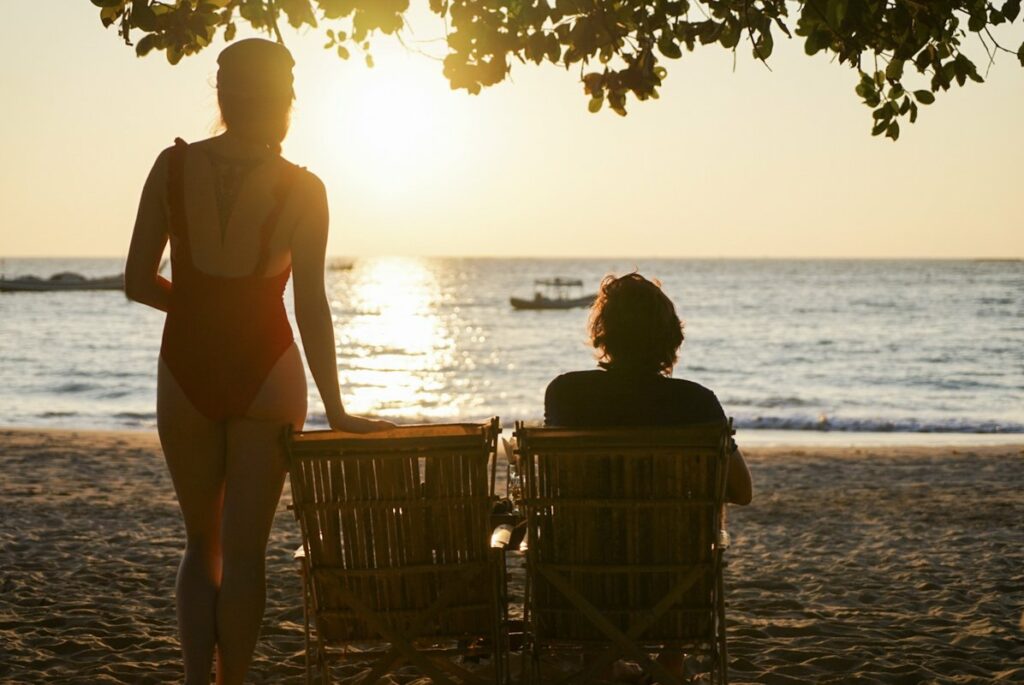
[340, 265]
[65, 280]
[554, 293]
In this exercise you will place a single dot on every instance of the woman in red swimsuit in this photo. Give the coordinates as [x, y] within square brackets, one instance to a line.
[240, 220]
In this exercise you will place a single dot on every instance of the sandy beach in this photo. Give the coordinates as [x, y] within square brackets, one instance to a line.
[880, 564]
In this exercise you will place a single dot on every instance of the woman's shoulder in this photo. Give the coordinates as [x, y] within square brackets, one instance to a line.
[163, 157]
[159, 170]
[305, 180]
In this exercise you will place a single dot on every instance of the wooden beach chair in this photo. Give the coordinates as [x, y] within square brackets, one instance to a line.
[396, 555]
[624, 558]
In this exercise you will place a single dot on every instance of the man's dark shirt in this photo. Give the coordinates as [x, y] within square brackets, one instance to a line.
[626, 398]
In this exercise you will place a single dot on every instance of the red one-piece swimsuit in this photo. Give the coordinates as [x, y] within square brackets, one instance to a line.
[222, 336]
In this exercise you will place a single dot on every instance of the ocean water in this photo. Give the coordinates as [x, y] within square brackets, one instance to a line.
[787, 345]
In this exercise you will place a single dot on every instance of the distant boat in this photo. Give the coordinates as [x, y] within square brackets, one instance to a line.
[554, 293]
[65, 280]
[339, 265]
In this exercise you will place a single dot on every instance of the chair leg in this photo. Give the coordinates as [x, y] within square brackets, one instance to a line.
[535, 674]
[498, 657]
[499, 636]
[723, 650]
[309, 665]
[325, 667]
[304, 571]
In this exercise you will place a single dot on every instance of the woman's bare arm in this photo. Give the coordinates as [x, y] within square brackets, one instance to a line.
[738, 487]
[313, 313]
[142, 280]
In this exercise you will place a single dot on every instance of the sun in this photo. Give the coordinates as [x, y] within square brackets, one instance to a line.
[391, 130]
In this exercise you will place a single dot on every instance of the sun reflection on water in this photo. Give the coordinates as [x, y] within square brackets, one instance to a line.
[395, 349]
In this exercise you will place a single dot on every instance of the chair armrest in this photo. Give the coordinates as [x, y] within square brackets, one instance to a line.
[501, 536]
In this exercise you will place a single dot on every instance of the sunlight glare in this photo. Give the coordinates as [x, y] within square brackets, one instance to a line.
[393, 127]
[397, 350]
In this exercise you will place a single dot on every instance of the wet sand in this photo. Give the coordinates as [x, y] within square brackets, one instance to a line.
[873, 565]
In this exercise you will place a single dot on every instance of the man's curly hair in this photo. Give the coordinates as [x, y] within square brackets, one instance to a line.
[633, 325]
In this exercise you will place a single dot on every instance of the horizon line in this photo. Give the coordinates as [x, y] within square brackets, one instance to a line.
[690, 257]
[974, 258]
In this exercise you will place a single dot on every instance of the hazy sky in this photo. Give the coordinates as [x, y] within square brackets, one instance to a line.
[748, 163]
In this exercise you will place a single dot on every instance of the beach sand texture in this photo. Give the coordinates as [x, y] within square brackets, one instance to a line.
[890, 565]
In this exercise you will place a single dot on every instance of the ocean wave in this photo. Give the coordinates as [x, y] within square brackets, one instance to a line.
[73, 387]
[136, 415]
[114, 394]
[950, 383]
[106, 373]
[879, 425]
[823, 424]
[772, 401]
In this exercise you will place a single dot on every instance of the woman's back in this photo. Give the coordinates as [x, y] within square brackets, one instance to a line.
[235, 209]
[226, 325]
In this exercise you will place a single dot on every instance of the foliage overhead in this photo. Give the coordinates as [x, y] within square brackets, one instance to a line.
[904, 51]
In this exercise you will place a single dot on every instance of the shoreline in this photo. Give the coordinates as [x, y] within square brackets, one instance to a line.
[753, 438]
[867, 564]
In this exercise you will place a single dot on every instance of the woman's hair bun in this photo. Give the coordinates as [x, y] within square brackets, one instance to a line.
[255, 67]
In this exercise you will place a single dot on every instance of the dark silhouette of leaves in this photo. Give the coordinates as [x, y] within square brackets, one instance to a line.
[895, 46]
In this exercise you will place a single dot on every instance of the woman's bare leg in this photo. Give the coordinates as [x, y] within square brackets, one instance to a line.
[255, 471]
[194, 448]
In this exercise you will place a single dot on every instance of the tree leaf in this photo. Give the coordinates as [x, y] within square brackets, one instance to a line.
[667, 46]
[730, 36]
[1010, 10]
[812, 45]
[763, 46]
[145, 45]
[110, 14]
[894, 70]
[174, 54]
[143, 17]
[836, 12]
[925, 97]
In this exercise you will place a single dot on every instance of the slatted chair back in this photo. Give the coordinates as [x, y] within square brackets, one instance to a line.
[395, 530]
[623, 530]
